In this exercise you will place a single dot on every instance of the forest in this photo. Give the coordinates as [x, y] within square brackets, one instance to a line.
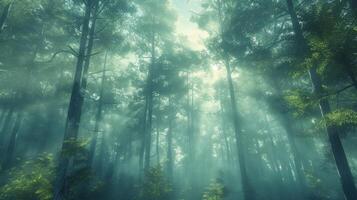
[178, 99]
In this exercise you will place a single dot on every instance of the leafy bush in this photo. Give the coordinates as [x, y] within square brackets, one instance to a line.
[30, 181]
[215, 191]
[155, 185]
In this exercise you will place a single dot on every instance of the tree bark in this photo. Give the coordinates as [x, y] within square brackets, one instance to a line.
[248, 191]
[74, 111]
[224, 132]
[4, 16]
[158, 135]
[190, 127]
[5, 129]
[8, 161]
[2, 116]
[343, 167]
[143, 139]
[350, 73]
[274, 161]
[170, 155]
[98, 117]
[353, 4]
[90, 45]
[102, 156]
[150, 98]
[286, 121]
[157, 144]
[296, 156]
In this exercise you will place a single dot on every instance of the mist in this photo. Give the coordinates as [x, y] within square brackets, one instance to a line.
[178, 100]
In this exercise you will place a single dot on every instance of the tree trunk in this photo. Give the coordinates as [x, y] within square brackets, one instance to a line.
[90, 45]
[286, 121]
[102, 156]
[158, 135]
[129, 148]
[148, 129]
[98, 117]
[2, 116]
[224, 132]
[157, 144]
[274, 161]
[5, 129]
[296, 156]
[143, 139]
[190, 126]
[349, 71]
[4, 15]
[353, 4]
[248, 191]
[12, 143]
[170, 155]
[150, 97]
[74, 112]
[343, 167]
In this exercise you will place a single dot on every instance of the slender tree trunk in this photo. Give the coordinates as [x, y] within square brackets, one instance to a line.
[158, 135]
[296, 155]
[5, 129]
[150, 98]
[353, 4]
[286, 121]
[278, 176]
[74, 112]
[349, 71]
[52, 116]
[157, 144]
[129, 151]
[90, 45]
[190, 127]
[149, 130]
[343, 167]
[12, 143]
[248, 191]
[189, 116]
[4, 16]
[2, 116]
[98, 117]
[224, 132]
[170, 155]
[102, 156]
[261, 165]
[143, 139]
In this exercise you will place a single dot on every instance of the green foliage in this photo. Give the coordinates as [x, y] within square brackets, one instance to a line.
[215, 191]
[320, 55]
[299, 101]
[76, 147]
[155, 185]
[341, 117]
[30, 181]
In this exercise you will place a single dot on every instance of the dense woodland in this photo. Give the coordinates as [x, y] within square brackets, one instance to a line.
[178, 99]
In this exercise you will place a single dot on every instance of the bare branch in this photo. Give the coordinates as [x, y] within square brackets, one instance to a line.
[75, 53]
[94, 54]
[55, 55]
[338, 91]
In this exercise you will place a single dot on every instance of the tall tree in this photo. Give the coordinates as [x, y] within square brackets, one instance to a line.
[333, 132]
[74, 109]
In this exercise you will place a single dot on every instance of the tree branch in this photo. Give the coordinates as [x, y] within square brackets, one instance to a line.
[338, 91]
[55, 55]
